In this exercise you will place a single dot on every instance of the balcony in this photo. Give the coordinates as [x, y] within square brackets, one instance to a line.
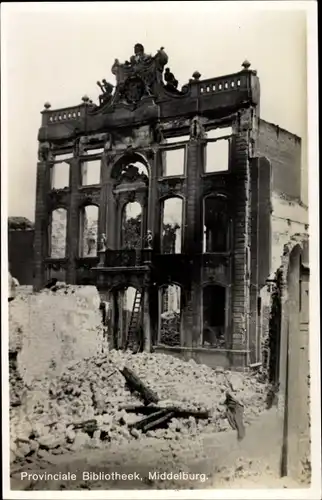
[126, 258]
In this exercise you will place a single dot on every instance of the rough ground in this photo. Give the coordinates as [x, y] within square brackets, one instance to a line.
[95, 389]
[223, 461]
[43, 434]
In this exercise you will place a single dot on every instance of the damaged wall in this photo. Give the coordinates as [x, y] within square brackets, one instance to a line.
[288, 219]
[53, 329]
[284, 151]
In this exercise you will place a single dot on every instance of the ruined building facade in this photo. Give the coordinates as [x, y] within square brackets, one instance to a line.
[200, 166]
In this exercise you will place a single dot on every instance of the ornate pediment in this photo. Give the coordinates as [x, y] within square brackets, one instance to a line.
[140, 76]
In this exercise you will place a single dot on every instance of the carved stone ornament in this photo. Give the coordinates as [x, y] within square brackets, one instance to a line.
[149, 239]
[158, 133]
[44, 150]
[133, 89]
[196, 129]
[109, 142]
[131, 173]
[82, 143]
[138, 77]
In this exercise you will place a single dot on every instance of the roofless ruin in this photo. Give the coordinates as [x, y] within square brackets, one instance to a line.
[182, 203]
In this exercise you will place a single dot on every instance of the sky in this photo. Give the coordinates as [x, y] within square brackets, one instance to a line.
[57, 53]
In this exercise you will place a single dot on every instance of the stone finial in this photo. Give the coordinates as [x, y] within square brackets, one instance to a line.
[85, 98]
[246, 65]
[196, 75]
[47, 105]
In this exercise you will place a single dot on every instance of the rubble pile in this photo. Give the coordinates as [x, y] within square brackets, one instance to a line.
[170, 328]
[54, 327]
[86, 405]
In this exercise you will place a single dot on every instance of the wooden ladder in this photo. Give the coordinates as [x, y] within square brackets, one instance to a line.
[133, 338]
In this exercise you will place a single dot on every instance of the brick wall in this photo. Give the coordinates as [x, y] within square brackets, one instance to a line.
[21, 255]
[283, 149]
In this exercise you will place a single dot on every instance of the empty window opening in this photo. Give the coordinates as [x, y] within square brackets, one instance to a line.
[60, 175]
[217, 156]
[90, 172]
[170, 315]
[215, 133]
[173, 162]
[58, 233]
[88, 231]
[171, 229]
[216, 224]
[131, 236]
[174, 140]
[214, 313]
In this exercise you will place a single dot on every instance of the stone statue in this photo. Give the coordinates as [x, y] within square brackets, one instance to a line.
[118, 72]
[161, 58]
[139, 55]
[172, 83]
[107, 89]
[196, 128]
[103, 242]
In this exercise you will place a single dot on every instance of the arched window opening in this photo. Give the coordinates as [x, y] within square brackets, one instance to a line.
[58, 233]
[173, 161]
[170, 315]
[127, 171]
[171, 228]
[60, 175]
[131, 236]
[88, 231]
[90, 172]
[216, 224]
[214, 314]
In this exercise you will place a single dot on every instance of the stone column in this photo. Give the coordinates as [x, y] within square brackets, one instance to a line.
[73, 229]
[192, 244]
[103, 210]
[41, 243]
[153, 206]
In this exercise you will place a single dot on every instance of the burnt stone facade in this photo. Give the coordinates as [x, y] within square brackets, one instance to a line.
[140, 123]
